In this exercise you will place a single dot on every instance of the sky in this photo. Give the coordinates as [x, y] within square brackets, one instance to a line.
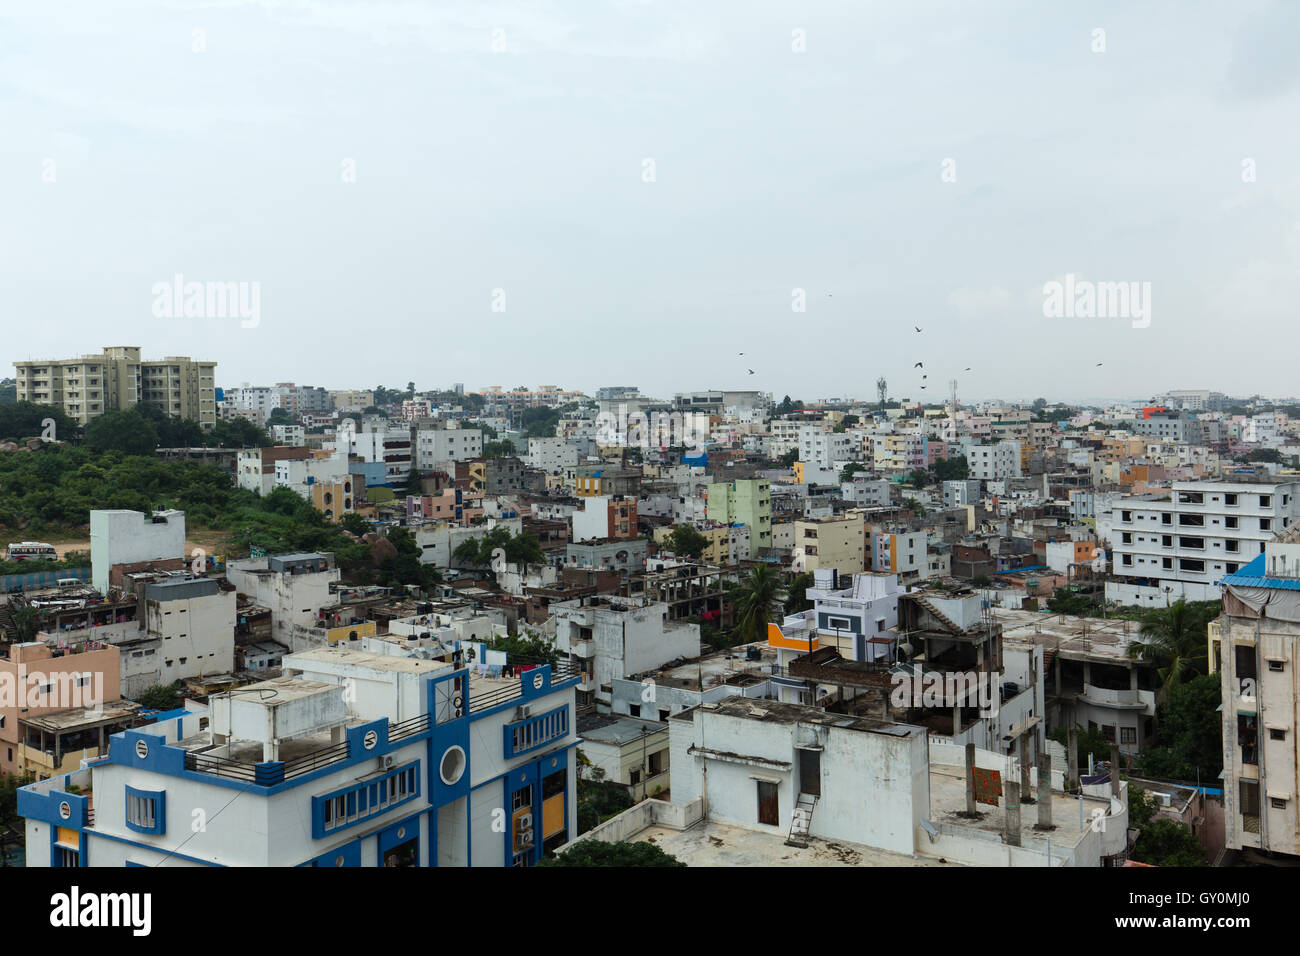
[634, 192]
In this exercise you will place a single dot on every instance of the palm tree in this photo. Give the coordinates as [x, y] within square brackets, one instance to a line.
[796, 599]
[1173, 638]
[759, 600]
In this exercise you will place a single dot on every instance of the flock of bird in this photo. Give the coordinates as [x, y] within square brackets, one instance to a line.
[925, 377]
[920, 365]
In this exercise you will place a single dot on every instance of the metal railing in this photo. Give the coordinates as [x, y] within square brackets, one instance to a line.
[409, 728]
[315, 760]
[561, 670]
[221, 766]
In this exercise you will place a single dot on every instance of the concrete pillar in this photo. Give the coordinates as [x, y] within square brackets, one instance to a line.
[1044, 791]
[1022, 744]
[1011, 827]
[1114, 770]
[970, 779]
[956, 721]
[1072, 754]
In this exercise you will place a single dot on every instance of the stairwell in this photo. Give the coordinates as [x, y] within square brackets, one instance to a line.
[943, 618]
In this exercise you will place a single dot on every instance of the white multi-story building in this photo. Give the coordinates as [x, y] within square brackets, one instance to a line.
[122, 542]
[959, 493]
[289, 434]
[555, 456]
[992, 462]
[438, 449]
[293, 586]
[299, 474]
[826, 449]
[1264, 428]
[439, 542]
[1180, 545]
[618, 638]
[380, 442]
[351, 759]
[193, 622]
[865, 491]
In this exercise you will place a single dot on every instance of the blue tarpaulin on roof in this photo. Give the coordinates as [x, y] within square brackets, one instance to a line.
[1253, 576]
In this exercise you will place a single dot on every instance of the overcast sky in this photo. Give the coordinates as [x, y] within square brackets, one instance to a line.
[648, 182]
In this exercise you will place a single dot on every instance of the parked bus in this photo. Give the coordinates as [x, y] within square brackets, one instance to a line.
[31, 551]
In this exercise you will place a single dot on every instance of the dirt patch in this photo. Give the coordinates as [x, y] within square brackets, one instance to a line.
[212, 542]
[844, 854]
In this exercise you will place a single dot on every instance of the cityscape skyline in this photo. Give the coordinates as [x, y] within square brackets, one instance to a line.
[879, 170]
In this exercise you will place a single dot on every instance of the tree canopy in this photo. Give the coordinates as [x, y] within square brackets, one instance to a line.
[686, 542]
[597, 853]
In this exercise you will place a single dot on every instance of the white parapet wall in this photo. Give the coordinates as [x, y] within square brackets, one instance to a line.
[647, 813]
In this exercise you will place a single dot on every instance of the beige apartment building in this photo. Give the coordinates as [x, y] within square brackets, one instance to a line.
[830, 544]
[1253, 647]
[86, 387]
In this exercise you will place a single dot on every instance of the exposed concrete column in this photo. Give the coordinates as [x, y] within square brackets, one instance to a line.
[1011, 826]
[1072, 753]
[970, 778]
[1114, 770]
[1045, 791]
[1022, 744]
[956, 720]
[1133, 678]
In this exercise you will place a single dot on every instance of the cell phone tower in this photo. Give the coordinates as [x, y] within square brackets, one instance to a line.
[883, 390]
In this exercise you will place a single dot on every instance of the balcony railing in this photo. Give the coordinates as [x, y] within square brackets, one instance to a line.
[409, 728]
[313, 761]
[222, 766]
[1105, 695]
[560, 671]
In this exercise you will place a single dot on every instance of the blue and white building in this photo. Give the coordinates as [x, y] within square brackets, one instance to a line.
[353, 758]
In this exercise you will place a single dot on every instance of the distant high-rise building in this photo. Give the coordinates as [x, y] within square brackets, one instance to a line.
[86, 387]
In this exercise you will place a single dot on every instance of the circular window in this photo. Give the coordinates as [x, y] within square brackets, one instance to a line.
[452, 767]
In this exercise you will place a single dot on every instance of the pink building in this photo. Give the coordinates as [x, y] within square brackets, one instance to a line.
[58, 707]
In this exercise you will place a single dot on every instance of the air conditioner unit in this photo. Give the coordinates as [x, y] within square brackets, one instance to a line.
[387, 761]
[523, 712]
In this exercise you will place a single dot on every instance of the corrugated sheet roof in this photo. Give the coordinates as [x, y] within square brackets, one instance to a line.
[1252, 576]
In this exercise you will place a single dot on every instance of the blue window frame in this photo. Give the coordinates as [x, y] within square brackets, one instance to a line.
[524, 736]
[146, 810]
[344, 808]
